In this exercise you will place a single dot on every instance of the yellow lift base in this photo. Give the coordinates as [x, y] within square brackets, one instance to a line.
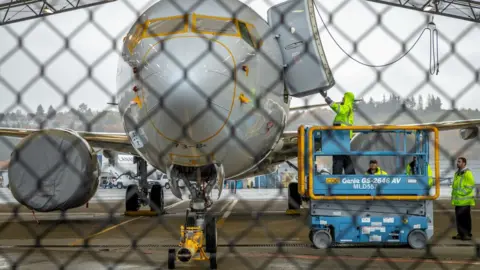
[141, 213]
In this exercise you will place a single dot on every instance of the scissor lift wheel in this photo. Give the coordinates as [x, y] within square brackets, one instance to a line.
[417, 239]
[310, 235]
[321, 239]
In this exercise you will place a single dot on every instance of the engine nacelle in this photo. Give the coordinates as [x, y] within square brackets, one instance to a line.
[469, 133]
[53, 170]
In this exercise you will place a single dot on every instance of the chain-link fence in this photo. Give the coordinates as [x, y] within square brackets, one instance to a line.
[209, 91]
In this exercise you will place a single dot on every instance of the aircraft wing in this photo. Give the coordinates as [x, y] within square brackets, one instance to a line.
[111, 141]
[289, 149]
[120, 142]
[451, 125]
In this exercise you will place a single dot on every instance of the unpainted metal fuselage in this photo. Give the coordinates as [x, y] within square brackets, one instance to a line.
[208, 88]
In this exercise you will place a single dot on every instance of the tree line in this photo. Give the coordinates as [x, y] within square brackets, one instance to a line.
[81, 118]
[84, 118]
[432, 104]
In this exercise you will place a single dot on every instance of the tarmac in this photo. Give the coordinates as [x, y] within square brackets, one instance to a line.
[253, 233]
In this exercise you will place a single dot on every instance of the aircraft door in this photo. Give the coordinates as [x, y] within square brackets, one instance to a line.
[307, 69]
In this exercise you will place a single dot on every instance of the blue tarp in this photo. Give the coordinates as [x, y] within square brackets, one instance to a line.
[230, 184]
[267, 181]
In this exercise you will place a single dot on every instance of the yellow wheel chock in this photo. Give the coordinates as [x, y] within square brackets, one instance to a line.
[141, 213]
[293, 212]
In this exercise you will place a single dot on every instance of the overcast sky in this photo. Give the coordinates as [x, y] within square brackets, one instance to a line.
[354, 19]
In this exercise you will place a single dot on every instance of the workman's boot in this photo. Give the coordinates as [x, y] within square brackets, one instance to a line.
[457, 237]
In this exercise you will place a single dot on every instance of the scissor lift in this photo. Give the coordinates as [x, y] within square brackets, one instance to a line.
[373, 209]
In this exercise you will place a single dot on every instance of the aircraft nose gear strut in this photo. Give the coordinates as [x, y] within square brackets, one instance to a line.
[198, 236]
[139, 195]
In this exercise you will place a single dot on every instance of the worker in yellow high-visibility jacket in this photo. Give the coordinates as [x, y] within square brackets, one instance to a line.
[463, 197]
[412, 171]
[374, 169]
[343, 117]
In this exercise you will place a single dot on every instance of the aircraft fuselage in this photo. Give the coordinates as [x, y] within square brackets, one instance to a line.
[198, 87]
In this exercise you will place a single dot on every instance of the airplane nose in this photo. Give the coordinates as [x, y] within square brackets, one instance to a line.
[190, 88]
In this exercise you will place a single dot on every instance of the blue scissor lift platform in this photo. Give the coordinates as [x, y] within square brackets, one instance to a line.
[373, 209]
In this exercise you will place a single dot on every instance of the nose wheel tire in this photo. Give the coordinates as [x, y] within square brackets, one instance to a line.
[171, 258]
[132, 202]
[321, 239]
[417, 239]
[213, 261]
[211, 235]
[157, 199]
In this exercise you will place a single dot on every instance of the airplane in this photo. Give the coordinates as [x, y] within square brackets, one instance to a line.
[204, 97]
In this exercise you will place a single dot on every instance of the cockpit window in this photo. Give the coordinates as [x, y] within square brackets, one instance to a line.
[245, 33]
[214, 25]
[257, 40]
[167, 26]
[203, 24]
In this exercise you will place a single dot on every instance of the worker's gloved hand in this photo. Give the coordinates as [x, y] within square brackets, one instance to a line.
[328, 100]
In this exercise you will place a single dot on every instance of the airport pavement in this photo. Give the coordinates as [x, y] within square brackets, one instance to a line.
[249, 232]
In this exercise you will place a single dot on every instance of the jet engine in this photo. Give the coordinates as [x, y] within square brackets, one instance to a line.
[469, 133]
[53, 170]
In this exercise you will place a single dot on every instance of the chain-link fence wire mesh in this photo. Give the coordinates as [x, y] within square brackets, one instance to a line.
[175, 111]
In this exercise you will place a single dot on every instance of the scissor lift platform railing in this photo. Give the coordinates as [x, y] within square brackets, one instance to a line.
[368, 208]
[336, 141]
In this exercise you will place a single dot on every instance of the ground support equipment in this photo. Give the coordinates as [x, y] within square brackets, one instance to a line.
[368, 209]
[197, 238]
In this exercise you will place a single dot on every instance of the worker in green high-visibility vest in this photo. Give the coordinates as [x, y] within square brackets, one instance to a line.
[463, 198]
[411, 170]
[374, 169]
